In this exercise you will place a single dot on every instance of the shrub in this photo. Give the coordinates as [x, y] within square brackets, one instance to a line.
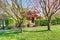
[58, 20]
[54, 22]
[44, 22]
[37, 22]
[41, 22]
[25, 23]
[9, 23]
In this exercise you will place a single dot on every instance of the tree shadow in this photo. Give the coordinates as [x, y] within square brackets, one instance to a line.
[35, 31]
[9, 33]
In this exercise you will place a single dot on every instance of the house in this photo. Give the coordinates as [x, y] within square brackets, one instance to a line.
[31, 15]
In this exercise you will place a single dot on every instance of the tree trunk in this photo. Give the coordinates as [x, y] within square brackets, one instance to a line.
[18, 24]
[21, 29]
[48, 23]
[3, 27]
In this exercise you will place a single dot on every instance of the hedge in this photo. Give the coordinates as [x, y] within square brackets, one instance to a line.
[40, 22]
[55, 21]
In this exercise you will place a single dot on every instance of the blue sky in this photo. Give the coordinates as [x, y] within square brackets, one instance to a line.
[25, 3]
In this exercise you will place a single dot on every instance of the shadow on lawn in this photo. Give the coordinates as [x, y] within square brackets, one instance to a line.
[35, 31]
[8, 33]
[11, 33]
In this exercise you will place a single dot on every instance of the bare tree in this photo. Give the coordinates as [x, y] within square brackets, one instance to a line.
[49, 8]
[14, 10]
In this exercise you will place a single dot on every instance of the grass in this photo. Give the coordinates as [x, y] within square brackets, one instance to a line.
[36, 33]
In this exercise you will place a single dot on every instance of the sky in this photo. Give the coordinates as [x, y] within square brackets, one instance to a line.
[24, 3]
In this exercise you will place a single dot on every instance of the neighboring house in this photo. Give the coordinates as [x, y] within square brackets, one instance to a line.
[32, 14]
[29, 14]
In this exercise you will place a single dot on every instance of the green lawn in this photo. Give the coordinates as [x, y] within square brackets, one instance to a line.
[36, 33]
